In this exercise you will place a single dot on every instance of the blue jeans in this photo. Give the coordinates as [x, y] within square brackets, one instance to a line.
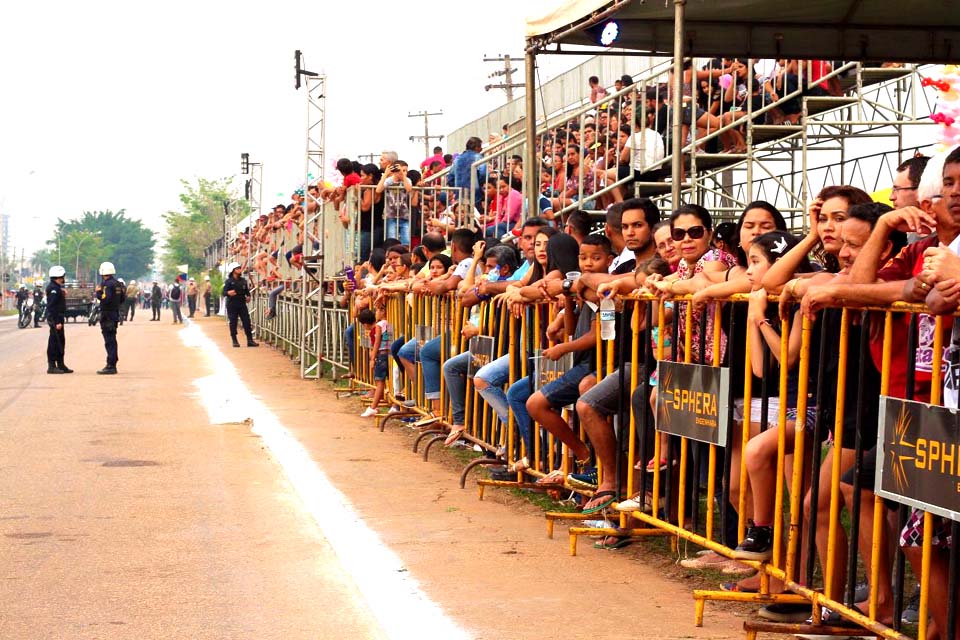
[429, 363]
[348, 336]
[399, 228]
[496, 374]
[455, 375]
[496, 230]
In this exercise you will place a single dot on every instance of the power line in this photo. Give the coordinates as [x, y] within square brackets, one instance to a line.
[507, 72]
[426, 137]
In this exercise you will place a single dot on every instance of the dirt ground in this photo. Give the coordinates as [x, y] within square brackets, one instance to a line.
[488, 563]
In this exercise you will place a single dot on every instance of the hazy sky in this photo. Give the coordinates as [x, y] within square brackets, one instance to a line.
[107, 105]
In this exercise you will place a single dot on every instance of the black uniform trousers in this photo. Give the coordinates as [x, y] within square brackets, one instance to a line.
[56, 343]
[155, 307]
[108, 328]
[208, 301]
[130, 310]
[240, 311]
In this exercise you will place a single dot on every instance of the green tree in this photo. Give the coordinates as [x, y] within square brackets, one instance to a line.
[97, 236]
[200, 222]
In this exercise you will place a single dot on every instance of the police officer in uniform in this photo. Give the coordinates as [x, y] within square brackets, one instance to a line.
[237, 293]
[111, 296]
[156, 297]
[37, 300]
[56, 310]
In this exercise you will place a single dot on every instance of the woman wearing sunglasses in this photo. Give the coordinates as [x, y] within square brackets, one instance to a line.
[691, 230]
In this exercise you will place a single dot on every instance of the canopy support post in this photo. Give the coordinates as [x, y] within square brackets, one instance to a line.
[677, 99]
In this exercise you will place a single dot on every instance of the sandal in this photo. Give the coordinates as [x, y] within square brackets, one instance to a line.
[553, 479]
[454, 435]
[618, 542]
[606, 498]
[651, 465]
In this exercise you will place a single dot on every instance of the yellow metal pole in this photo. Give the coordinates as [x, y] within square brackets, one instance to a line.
[781, 441]
[837, 448]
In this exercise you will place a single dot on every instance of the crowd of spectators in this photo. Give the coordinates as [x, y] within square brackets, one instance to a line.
[855, 254]
[468, 232]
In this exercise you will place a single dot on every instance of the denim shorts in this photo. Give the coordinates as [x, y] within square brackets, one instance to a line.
[380, 367]
[565, 390]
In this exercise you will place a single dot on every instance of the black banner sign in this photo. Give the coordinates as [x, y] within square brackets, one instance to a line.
[546, 371]
[692, 401]
[422, 333]
[918, 456]
[481, 353]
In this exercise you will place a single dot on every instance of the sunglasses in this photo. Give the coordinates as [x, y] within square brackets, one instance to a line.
[695, 233]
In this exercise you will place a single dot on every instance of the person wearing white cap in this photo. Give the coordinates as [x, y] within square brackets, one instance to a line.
[207, 291]
[192, 292]
[130, 303]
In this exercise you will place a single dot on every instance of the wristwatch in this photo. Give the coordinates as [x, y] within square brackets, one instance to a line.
[567, 287]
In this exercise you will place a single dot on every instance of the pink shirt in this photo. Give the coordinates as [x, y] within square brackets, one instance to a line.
[510, 208]
[436, 158]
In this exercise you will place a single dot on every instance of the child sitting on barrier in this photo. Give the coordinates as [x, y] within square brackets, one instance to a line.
[545, 405]
[380, 337]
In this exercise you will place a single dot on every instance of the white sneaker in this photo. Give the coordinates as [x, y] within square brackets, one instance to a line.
[393, 409]
[369, 412]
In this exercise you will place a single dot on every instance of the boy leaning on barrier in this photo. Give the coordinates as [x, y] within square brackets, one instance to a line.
[380, 336]
[576, 321]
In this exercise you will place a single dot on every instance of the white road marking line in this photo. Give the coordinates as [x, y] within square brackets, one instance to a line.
[395, 598]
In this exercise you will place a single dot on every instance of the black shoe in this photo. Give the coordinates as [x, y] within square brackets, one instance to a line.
[757, 545]
[53, 368]
[236, 342]
[64, 368]
[107, 371]
[252, 343]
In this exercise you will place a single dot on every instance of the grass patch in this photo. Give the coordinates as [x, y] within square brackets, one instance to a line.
[8, 312]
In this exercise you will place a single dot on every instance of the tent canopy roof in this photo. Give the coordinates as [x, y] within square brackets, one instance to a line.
[878, 30]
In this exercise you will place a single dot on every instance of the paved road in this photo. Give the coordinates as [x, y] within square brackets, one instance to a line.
[125, 514]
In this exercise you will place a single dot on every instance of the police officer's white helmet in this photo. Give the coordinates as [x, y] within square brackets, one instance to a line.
[133, 282]
[206, 278]
[107, 269]
[233, 266]
[57, 271]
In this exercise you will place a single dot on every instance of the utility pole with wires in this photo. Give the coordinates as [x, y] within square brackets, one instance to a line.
[370, 157]
[507, 72]
[426, 137]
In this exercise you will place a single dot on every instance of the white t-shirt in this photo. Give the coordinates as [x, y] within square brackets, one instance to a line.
[649, 146]
[463, 268]
[625, 256]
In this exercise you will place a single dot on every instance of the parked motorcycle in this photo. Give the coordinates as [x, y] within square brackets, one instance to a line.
[94, 318]
[26, 313]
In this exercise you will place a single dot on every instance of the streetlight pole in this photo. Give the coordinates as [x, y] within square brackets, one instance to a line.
[80, 244]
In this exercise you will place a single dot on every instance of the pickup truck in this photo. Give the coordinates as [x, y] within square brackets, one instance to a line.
[80, 299]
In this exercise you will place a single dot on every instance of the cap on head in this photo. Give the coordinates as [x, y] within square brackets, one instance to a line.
[206, 278]
[232, 267]
[57, 271]
[107, 269]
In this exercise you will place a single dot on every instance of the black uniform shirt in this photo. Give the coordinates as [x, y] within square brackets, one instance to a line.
[56, 303]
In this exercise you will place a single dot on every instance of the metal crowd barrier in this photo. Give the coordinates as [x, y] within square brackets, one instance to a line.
[698, 497]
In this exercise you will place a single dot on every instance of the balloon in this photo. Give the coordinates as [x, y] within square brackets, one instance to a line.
[726, 80]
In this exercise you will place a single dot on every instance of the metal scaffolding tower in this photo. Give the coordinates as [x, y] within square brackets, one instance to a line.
[313, 276]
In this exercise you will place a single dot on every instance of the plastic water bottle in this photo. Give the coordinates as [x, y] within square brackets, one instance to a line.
[494, 274]
[608, 319]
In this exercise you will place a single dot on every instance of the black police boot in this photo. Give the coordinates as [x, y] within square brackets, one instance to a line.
[236, 342]
[53, 368]
[108, 370]
[251, 342]
[64, 368]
